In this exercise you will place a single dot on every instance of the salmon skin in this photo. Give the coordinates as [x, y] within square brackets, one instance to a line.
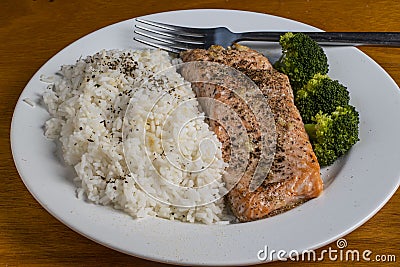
[294, 175]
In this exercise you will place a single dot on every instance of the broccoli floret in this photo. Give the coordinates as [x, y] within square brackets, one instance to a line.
[301, 59]
[332, 135]
[321, 93]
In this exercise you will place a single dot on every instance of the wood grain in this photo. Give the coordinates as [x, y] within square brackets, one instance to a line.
[33, 31]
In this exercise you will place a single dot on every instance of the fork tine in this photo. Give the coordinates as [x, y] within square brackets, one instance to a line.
[184, 38]
[162, 47]
[189, 31]
[170, 42]
[185, 45]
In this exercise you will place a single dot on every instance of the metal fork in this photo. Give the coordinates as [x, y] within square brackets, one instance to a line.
[175, 38]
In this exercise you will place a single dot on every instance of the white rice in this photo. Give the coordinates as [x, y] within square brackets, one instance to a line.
[164, 145]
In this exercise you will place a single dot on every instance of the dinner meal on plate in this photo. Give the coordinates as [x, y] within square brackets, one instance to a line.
[134, 126]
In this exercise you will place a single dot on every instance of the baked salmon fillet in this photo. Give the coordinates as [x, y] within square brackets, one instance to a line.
[294, 176]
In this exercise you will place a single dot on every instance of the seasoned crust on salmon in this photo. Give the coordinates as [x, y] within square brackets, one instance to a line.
[294, 176]
[238, 57]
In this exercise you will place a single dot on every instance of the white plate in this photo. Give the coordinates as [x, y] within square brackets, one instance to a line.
[356, 188]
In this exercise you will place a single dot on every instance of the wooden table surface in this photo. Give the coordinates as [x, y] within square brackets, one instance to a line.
[33, 31]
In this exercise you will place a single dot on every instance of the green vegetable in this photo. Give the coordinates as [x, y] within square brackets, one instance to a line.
[332, 135]
[321, 93]
[301, 59]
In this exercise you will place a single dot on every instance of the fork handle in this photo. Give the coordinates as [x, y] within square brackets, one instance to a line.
[332, 38]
